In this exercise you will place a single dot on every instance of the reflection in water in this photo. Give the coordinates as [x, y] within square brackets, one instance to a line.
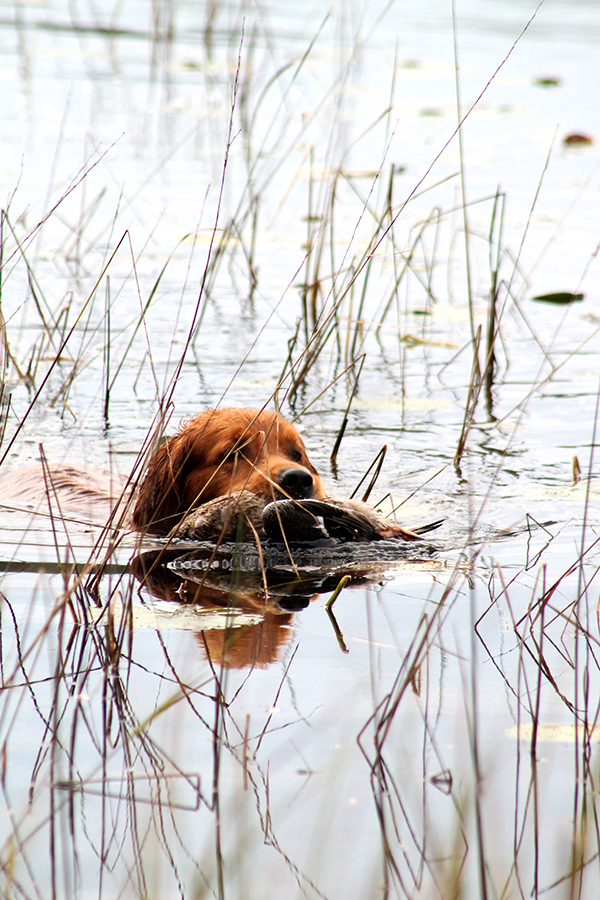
[129, 745]
[270, 584]
[232, 644]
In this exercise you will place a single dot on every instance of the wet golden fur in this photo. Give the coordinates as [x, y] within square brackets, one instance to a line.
[219, 452]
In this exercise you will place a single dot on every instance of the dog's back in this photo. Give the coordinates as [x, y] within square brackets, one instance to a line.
[89, 494]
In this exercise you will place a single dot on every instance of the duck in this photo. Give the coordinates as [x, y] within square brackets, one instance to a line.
[246, 516]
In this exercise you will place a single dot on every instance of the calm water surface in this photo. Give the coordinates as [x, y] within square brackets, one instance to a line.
[444, 735]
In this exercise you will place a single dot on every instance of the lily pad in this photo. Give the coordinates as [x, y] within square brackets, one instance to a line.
[575, 139]
[560, 297]
[561, 734]
[548, 81]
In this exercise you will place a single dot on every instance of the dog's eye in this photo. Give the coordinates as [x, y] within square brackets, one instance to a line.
[296, 456]
[228, 455]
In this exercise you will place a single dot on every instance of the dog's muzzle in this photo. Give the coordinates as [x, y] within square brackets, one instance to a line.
[296, 482]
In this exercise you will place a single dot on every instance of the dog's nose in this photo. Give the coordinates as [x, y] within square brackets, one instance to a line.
[297, 483]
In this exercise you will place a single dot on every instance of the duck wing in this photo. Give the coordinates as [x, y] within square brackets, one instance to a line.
[303, 521]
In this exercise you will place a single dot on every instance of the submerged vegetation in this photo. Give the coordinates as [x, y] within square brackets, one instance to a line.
[292, 242]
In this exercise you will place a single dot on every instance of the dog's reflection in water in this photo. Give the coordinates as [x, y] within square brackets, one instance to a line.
[246, 625]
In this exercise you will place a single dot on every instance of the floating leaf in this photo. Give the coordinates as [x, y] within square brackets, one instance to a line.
[558, 297]
[560, 734]
[398, 403]
[547, 82]
[572, 139]
[180, 617]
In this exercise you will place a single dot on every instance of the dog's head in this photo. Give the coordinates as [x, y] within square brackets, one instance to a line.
[218, 452]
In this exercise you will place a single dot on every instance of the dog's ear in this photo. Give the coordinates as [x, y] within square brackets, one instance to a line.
[161, 502]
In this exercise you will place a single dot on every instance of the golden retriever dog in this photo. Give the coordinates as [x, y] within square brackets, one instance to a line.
[222, 467]
[218, 453]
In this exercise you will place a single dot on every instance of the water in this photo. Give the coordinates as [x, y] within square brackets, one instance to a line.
[133, 763]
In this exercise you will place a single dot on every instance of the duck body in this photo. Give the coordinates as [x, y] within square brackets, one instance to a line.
[245, 516]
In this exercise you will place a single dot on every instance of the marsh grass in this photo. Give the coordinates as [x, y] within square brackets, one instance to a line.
[126, 768]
